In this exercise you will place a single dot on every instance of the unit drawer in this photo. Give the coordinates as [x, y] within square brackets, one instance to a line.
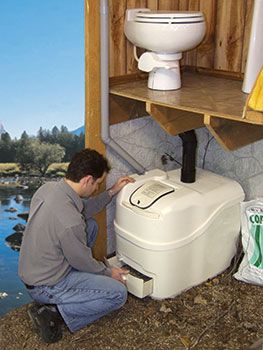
[137, 283]
[138, 286]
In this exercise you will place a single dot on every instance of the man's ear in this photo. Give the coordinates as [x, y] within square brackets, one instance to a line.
[86, 179]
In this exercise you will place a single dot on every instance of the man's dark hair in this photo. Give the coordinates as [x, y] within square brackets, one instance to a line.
[87, 162]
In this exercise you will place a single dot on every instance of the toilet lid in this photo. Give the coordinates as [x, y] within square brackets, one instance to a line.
[169, 17]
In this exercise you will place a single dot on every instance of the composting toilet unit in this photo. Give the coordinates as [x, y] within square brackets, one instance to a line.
[174, 235]
[165, 35]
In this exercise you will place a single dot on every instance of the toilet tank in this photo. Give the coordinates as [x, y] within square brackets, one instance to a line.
[177, 235]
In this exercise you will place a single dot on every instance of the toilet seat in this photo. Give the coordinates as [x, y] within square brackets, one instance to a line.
[176, 17]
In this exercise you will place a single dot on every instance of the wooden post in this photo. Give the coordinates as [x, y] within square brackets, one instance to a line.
[92, 103]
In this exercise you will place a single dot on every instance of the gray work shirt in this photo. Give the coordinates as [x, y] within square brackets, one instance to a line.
[55, 240]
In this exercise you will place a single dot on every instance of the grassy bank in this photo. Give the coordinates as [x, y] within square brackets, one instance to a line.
[9, 169]
[57, 169]
[12, 169]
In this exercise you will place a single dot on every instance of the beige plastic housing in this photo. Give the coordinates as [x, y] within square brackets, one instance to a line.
[182, 238]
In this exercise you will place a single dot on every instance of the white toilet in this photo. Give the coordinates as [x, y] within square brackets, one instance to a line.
[166, 35]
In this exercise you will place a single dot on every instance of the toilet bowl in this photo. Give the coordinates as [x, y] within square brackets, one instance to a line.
[165, 35]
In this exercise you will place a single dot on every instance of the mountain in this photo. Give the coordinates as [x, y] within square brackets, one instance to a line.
[78, 131]
[2, 129]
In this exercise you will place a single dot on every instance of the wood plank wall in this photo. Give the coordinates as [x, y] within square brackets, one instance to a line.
[223, 50]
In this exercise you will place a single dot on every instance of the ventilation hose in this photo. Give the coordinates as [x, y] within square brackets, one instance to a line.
[189, 141]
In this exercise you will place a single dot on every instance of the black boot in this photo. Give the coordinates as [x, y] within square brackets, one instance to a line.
[46, 322]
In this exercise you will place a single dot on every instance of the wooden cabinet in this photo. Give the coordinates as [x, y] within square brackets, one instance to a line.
[209, 99]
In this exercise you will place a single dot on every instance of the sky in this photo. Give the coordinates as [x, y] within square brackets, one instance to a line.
[41, 65]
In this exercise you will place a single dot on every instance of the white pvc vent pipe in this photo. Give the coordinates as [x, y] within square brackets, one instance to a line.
[104, 72]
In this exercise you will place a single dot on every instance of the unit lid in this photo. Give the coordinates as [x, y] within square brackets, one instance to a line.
[169, 17]
[150, 192]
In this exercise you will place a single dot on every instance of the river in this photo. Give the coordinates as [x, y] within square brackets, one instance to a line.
[12, 291]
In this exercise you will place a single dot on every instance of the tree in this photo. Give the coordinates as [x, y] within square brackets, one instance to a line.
[72, 144]
[45, 154]
[24, 136]
[64, 129]
[44, 135]
[40, 134]
[24, 155]
[7, 148]
[35, 155]
[5, 137]
[55, 132]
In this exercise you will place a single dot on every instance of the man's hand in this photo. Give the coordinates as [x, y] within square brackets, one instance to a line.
[121, 182]
[119, 274]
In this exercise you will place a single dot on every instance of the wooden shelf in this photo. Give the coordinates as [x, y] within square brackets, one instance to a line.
[203, 100]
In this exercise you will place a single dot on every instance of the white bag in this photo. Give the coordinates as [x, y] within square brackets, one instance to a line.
[251, 267]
